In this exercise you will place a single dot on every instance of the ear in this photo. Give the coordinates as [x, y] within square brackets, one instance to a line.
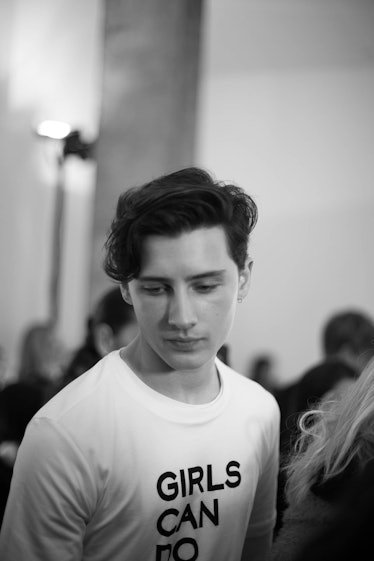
[245, 279]
[103, 338]
[124, 287]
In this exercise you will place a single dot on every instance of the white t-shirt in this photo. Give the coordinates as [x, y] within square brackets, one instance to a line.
[111, 470]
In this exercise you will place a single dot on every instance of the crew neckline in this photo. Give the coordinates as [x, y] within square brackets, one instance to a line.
[163, 405]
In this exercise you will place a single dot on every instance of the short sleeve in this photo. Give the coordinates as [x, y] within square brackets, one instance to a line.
[51, 499]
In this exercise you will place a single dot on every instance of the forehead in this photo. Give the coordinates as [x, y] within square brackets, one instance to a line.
[194, 252]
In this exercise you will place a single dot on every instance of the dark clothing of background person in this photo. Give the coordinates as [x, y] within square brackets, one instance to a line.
[302, 523]
[349, 536]
[319, 380]
[19, 401]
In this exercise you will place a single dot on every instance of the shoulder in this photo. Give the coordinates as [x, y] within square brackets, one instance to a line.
[80, 417]
[236, 379]
[82, 360]
[84, 391]
[248, 392]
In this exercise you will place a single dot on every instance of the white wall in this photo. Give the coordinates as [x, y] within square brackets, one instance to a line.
[286, 110]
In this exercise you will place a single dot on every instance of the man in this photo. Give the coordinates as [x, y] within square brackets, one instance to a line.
[160, 452]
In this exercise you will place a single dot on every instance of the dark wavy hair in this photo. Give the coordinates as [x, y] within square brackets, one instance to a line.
[169, 205]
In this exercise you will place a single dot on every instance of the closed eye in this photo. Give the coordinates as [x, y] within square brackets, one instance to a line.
[155, 290]
[206, 288]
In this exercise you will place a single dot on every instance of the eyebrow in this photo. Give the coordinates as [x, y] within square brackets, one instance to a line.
[208, 274]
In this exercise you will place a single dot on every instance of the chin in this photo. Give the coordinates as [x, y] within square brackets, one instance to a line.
[187, 361]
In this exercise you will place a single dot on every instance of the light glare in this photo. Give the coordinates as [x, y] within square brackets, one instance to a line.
[54, 129]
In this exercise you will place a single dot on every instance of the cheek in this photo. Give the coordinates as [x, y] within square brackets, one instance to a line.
[224, 318]
[148, 312]
[224, 308]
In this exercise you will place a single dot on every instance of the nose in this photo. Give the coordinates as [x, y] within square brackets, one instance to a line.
[181, 312]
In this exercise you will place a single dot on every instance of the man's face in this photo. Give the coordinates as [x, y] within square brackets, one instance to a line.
[185, 298]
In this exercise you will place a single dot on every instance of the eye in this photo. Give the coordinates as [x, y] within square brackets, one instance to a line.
[154, 290]
[206, 288]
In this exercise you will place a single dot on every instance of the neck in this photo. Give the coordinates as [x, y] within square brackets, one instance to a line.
[195, 386]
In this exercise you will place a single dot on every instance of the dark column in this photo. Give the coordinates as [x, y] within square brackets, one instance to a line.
[150, 83]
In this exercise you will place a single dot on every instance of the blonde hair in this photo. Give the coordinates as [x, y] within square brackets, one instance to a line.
[340, 430]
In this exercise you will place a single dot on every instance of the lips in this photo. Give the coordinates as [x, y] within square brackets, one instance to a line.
[183, 340]
[183, 343]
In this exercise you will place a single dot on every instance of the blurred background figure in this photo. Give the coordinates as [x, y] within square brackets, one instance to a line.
[347, 340]
[43, 357]
[334, 450]
[261, 370]
[348, 345]
[112, 325]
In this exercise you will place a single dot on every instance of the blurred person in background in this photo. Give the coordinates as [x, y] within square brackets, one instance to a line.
[333, 451]
[347, 340]
[112, 325]
[261, 370]
[348, 345]
[42, 357]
